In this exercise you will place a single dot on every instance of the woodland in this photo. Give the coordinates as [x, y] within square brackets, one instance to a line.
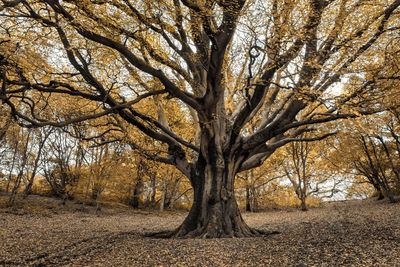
[211, 107]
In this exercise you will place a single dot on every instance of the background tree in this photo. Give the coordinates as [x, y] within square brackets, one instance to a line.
[21, 141]
[255, 184]
[222, 64]
[307, 170]
[40, 139]
[378, 160]
[60, 169]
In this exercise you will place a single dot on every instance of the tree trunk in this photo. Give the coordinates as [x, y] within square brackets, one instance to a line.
[42, 141]
[251, 199]
[137, 192]
[87, 190]
[248, 205]
[212, 217]
[388, 192]
[303, 205]
[174, 193]
[12, 168]
[254, 206]
[163, 193]
[98, 203]
[15, 188]
[214, 212]
[153, 190]
[380, 194]
[95, 192]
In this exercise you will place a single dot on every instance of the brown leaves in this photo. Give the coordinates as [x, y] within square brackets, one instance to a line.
[344, 233]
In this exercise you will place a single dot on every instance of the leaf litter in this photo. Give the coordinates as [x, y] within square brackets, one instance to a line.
[341, 233]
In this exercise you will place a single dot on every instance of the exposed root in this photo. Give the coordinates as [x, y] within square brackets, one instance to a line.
[216, 220]
[202, 233]
[267, 233]
[162, 234]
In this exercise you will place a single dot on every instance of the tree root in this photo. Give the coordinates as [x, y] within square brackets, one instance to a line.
[197, 233]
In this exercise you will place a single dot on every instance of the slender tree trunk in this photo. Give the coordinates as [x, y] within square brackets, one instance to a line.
[174, 192]
[9, 181]
[12, 168]
[380, 195]
[15, 188]
[254, 198]
[98, 199]
[303, 205]
[42, 141]
[251, 201]
[28, 188]
[248, 204]
[163, 193]
[153, 190]
[21, 172]
[137, 192]
[87, 190]
[388, 192]
[171, 203]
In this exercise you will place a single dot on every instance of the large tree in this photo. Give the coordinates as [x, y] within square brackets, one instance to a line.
[273, 65]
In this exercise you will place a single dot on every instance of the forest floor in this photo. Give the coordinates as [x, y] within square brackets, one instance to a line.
[360, 233]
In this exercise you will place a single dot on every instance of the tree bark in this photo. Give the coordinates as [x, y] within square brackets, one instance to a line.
[214, 212]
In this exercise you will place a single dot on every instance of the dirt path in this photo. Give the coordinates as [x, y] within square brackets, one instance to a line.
[352, 233]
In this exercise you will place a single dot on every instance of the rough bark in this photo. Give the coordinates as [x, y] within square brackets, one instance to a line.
[214, 212]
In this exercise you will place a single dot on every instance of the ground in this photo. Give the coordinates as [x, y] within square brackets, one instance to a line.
[343, 233]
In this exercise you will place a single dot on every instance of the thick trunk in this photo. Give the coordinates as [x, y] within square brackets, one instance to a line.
[214, 219]
[214, 212]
